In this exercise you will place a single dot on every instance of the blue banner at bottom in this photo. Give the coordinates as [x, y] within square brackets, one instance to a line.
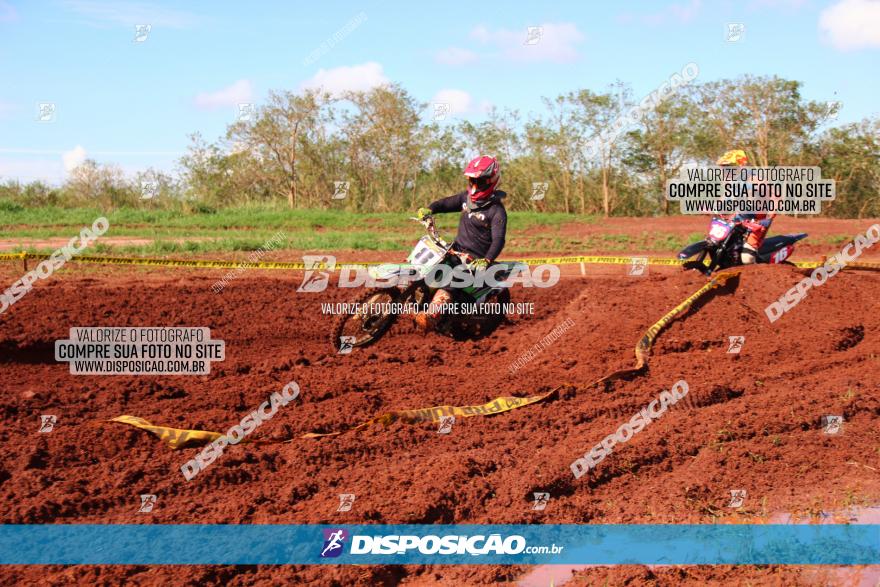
[137, 544]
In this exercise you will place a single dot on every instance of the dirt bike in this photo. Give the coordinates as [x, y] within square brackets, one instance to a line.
[378, 307]
[724, 243]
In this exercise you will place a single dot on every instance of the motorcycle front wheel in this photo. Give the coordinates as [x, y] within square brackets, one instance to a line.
[368, 321]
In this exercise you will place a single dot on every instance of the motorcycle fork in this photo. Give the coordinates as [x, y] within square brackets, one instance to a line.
[723, 249]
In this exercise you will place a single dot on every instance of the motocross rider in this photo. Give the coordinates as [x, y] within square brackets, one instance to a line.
[758, 224]
[481, 228]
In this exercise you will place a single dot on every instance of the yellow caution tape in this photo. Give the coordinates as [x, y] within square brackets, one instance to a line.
[175, 437]
[179, 438]
[598, 260]
[296, 265]
[857, 265]
[199, 263]
[496, 406]
[867, 265]
[643, 347]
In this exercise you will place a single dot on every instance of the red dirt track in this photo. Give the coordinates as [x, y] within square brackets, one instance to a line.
[751, 421]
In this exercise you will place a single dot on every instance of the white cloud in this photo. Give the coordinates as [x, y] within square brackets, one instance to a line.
[460, 102]
[557, 43]
[482, 35]
[851, 24]
[73, 158]
[356, 78]
[239, 92]
[130, 14]
[455, 56]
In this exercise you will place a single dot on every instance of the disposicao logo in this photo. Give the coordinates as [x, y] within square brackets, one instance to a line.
[334, 539]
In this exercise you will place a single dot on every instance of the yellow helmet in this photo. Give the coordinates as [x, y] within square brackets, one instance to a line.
[734, 157]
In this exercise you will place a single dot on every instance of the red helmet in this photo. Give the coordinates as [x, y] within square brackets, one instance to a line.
[483, 175]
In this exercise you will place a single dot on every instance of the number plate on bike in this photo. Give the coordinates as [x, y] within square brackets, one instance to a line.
[426, 253]
[719, 230]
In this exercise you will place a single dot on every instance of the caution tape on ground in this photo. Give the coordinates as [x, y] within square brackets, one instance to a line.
[297, 265]
[179, 438]
[597, 260]
[175, 437]
[643, 347]
[853, 265]
[867, 265]
[199, 263]
[496, 406]
[208, 264]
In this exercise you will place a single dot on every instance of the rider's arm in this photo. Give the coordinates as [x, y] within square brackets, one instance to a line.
[499, 230]
[450, 204]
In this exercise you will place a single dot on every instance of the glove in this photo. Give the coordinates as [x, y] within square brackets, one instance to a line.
[480, 264]
[423, 213]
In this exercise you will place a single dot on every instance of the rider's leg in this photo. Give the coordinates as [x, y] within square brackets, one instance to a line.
[428, 319]
[749, 255]
[753, 243]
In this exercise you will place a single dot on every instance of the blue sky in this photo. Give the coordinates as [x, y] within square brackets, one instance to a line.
[135, 103]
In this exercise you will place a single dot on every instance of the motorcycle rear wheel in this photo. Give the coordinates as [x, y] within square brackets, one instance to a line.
[470, 329]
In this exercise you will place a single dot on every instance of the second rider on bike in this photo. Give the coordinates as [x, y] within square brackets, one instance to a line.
[757, 224]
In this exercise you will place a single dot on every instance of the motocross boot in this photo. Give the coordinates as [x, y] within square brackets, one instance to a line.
[427, 320]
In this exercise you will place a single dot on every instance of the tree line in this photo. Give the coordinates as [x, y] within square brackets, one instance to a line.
[383, 150]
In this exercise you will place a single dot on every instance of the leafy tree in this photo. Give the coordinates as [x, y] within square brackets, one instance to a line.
[663, 143]
[850, 155]
[104, 186]
[282, 132]
[386, 143]
[764, 116]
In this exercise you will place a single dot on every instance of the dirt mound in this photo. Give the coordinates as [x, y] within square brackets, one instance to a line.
[751, 420]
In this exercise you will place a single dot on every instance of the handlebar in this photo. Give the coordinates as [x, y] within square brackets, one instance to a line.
[428, 223]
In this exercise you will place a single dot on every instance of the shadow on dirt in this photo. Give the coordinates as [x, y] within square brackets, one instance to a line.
[38, 353]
